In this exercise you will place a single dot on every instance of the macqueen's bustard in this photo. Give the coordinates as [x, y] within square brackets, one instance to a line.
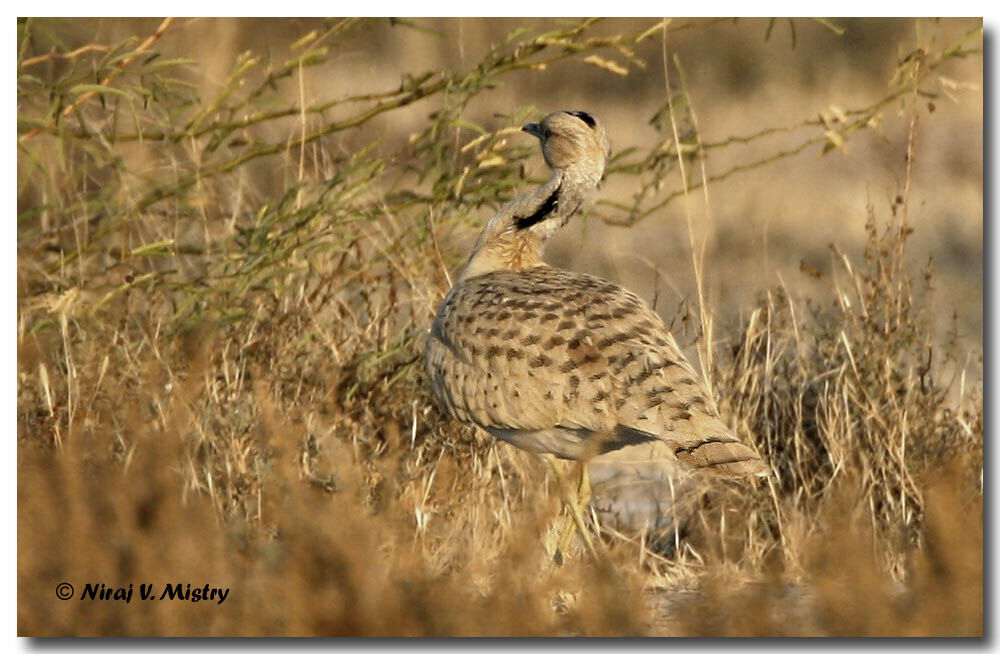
[562, 363]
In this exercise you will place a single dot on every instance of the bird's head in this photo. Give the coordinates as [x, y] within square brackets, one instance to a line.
[572, 141]
[576, 148]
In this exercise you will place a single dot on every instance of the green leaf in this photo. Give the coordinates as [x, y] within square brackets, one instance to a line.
[158, 249]
[176, 61]
[469, 125]
[80, 89]
[839, 31]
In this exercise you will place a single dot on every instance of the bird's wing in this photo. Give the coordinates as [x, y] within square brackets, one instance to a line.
[489, 355]
[546, 349]
[638, 377]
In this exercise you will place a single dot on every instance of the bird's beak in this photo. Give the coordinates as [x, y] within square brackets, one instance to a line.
[533, 128]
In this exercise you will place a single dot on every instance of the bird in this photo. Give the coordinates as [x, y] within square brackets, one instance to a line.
[566, 364]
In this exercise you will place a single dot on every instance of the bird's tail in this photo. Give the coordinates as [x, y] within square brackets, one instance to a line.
[722, 455]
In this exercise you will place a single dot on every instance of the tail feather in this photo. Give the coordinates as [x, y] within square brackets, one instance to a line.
[722, 455]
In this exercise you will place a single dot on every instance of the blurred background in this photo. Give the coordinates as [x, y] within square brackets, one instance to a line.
[233, 233]
[763, 226]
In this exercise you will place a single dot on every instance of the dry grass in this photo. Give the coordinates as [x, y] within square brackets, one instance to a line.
[222, 301]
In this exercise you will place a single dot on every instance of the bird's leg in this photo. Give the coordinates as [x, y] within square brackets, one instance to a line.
[574, 521]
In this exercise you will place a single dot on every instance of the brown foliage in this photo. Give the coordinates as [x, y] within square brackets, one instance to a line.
[219, 376]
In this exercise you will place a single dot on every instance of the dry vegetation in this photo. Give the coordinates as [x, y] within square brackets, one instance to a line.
[223, 291]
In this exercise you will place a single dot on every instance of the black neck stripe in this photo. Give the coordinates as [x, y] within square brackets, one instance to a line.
[584, 116]
[543, 212]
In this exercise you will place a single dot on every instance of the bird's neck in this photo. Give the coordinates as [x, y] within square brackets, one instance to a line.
[513, 251]
[515, 238]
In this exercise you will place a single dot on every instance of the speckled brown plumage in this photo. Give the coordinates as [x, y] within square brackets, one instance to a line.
[549, 359]
[562, 362]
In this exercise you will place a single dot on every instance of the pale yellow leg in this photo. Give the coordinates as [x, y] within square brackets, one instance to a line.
[574, 520]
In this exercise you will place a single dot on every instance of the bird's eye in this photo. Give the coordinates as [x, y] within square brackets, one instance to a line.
[585, 117]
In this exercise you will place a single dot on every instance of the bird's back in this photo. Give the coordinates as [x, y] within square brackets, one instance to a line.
[563, 362]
